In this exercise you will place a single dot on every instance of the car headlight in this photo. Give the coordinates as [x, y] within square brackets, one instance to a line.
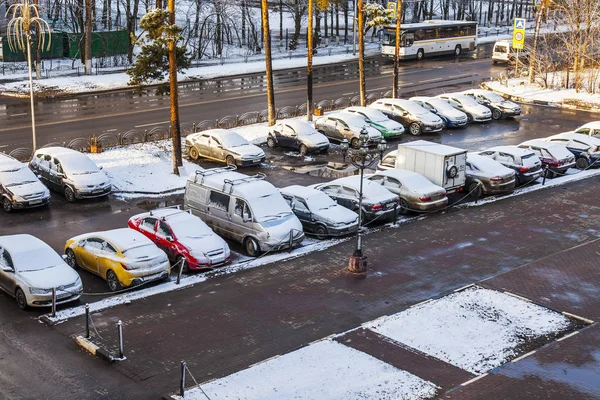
[33, 290]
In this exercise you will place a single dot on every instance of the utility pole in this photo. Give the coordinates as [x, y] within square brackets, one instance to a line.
[309, 80]
[88, 37]
[536, 33]
[175, 125]
[395, 89]
[361, 52]
[354, 30]
[269, 65]
[38, 52]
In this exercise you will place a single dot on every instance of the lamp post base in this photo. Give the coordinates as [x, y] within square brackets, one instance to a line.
[357, 263]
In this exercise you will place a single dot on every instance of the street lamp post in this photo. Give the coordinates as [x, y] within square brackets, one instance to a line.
[361, 158]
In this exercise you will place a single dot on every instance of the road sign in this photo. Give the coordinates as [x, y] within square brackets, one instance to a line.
[391, 5]
[519, 34]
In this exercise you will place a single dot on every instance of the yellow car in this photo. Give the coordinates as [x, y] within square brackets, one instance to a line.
[123, 257]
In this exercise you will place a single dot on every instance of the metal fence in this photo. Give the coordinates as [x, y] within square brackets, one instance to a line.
[133, 136]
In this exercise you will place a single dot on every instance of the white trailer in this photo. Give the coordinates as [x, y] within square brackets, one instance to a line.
[443, 165]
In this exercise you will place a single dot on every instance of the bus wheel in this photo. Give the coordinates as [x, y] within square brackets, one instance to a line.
[457, 50]
[420, 54]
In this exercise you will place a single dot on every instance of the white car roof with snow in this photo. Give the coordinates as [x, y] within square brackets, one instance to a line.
[485, 163]
[540, 143]
[513, 150]
[71, 160]
[354, 183]
[436, 148]
[24, 249]
[57, 151]
[298, 125]
[349, 118]
[412, 179]
[123, 238]
[587, 139]
[250, 187]
[368, 111]
[8, 163]
[300, 191]
[592, 125]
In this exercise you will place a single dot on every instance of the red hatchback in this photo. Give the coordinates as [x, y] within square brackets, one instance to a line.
[183, 236]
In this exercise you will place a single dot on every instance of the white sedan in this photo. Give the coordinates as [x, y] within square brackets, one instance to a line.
[30, 269]
[450, 115]
[475, 111]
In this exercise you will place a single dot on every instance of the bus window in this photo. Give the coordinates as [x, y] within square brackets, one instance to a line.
[430, 34]
[408, 39]
[419, 34]
[389, 39]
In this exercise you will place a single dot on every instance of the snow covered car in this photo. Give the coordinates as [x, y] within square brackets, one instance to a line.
[29, 269]
[486, 176]
[298, 135]
[590, 129]
[585, 148]
[416, 192]
[378, 120]
[555, 157]
[498, 105]
[223, 146]
[318, 213]
[344, 125]
[452, 117]
[19, 187]
[378, 202]
[415, 118]
[524, 162]
[183, 236]
[123, 257]
[475, 111]
[70, 172]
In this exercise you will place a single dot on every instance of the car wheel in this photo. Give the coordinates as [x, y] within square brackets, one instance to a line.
[21, 299]
[229, 160]
[252, 247]
[414, 129]
[7, 205]
[321, 232]
[71, 260]
[404, 207]
[469, 118]
[355, 143]
[457, 50]
[193, 153]
[475, 190]
[494, 62]
[582, 163]
[113, 281]
[550, 174]
[271, 142]
[420, 54]
[69, 194]
[517, 180]
[303, 150]
[496, 114]
[363, 218]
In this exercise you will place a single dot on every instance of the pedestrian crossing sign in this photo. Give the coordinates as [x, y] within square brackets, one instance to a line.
[391, 5]
[519, 23]
[519, 34]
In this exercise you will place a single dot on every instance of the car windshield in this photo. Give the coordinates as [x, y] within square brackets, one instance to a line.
[559, 152]
[233, 140]
[17, 176]
[529, 159]
[320, 201]
[375, 115]
[269, 207]
[189, 226]
[35, 259]
[145, 250]
[414, 108]
[442, 105]
[493, 97]
[78, 165]
[466, 100]
[303, 129]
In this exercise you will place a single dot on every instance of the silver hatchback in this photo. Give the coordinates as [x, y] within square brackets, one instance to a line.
[223, 146]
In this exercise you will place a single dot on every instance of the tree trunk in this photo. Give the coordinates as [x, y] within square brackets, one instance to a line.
[280, 20]
[325, 23]
[309, 80]
[536, 33]
[38, 51]
[268, 63]
[243, 21]
[395, 89]
[88, 37]
[346, 9]
[159, 4]
[175, 126]
[337, 20]
[361, 51]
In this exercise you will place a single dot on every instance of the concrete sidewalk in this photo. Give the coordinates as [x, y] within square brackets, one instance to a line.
[226, 324]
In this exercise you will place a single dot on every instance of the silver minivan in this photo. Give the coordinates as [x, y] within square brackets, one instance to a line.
[246, 209]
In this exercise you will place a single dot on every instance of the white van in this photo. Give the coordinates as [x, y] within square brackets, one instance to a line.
[503, 52]
[246, 209]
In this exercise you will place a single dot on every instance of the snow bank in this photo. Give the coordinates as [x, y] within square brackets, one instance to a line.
[535, 92]
[475, 329]
[323, 370]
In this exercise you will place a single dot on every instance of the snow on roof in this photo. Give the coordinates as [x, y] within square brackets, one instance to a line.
[485, 163]
[348, 117]
[298, 125]
[56, 151]
[27, 249]
[412, 179]
[435, 148]
[8, 163]
[587, 139]
[354, 183]
[251, 187]
[432, 23]
[592, 125]
[123, 238]
[539, 143]
[300, 191]
[513, 150]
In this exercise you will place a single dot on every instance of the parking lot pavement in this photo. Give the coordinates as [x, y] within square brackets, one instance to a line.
[228, 323]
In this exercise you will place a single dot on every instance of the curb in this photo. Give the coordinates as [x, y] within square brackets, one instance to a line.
[94, 350]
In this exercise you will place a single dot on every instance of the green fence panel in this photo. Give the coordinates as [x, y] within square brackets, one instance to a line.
[57, 49]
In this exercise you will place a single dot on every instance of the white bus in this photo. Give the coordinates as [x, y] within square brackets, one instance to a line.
[428, 38]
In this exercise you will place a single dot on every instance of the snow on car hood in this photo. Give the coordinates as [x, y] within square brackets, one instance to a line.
[390, 125]
[248, 150]
[28, 188]
[430, 118]
[477, 109]
[55, 276]
[93, 179]
[315, 139]
[337, 214]
[279, 229]
[453, 114]
[203, 244]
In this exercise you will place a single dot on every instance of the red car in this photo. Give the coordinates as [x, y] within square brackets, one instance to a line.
[183, 236]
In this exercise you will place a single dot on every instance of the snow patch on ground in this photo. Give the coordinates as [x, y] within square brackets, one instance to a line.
[323, 370]
[476, 329]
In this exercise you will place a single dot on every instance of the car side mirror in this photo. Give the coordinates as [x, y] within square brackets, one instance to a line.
[81, 243]
[170, 239]
[7, 269]
[61, 175]
[245, 218]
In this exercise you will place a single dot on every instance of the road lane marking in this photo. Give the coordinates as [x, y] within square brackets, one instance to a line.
[154, 123]
[17, 115]
[431, 80]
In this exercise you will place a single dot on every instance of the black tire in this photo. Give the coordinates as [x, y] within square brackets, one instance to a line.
[582, 163]
[303, 150]
[404, 207]
[69, 194]
[414, 128]
[7, 205]
[321, 232]
[494, 62]
[229, 160]
[550, 174]
[420, 54]
[469, 118]
[251, 246]
[457, 50]
[271, 142]
[517, 180]
[71, 259]
[475, 190]
[355, 143]
[112, 281]
[496, 114]
[193, 153]
[21, 299]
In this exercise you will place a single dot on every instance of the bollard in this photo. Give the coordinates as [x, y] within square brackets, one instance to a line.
[87, 321]
[180, 271]
[291, 240]
[545, 173]
[120, 327]
[53, 302]
[182, 383]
